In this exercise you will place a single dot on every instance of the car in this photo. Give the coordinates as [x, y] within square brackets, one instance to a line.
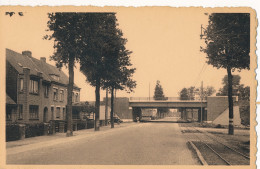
[116, 120]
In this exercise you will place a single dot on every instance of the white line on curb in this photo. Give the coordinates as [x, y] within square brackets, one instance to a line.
[202, 160]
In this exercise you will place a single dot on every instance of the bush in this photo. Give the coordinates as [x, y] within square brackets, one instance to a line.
[90, 124]
[219, 126]
[34, 129]
[81, 125]
[12, 132]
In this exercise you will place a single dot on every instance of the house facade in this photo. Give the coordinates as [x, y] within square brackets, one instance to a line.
[35, 90]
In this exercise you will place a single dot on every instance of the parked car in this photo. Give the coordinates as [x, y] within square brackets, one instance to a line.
[116, 120]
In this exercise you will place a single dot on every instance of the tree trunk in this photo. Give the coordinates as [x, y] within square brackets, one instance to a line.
[112, 108]
[69, 98]
[230, 102]
[106, 108]
[97, 104]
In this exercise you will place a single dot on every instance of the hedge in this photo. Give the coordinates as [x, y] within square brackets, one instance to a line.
[12, 132]
[31, 130]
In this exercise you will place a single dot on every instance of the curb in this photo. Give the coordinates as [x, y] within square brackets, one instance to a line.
[201, 158]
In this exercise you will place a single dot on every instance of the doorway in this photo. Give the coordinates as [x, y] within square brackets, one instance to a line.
[45, 114]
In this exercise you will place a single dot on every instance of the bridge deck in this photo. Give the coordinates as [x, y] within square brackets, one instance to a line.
[168, 104]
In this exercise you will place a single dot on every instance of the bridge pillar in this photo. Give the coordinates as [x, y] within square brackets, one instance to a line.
[185, 114]
[199, 115]
[202, 115]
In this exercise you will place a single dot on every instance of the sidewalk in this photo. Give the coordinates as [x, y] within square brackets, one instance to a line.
[14, 147]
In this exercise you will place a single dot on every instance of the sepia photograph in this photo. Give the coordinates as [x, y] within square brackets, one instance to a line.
[128, 86]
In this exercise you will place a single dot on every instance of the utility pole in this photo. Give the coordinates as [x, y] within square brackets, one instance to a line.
[201, 98]
[106, 107]
[114, 103]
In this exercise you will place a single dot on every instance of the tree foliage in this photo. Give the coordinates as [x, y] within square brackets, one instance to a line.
[191, 93]
[65, 29]
[158, 92]
[209, 91]
[184, 94]
[228, 40]
[243, 92]
[235, 85]
[98, 36]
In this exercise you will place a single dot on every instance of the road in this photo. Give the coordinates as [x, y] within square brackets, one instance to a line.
[158, 143]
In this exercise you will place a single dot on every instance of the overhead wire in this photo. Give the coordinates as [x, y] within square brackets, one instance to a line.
[204, 67]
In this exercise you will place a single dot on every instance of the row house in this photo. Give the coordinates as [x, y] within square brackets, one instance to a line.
[35, 90]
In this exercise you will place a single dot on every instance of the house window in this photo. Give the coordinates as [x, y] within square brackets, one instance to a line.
[61, 95]
[34, 112]
[77, 97]
[20, 111]
[57, 112]
[46, 91]
[34, 86]
[73, 99]
[76, 115]
[52, 113]
[21, 85]
[55, 94]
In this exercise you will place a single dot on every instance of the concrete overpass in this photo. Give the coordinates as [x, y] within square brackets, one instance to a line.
[167, 103]
[208, 109]
[138, 103]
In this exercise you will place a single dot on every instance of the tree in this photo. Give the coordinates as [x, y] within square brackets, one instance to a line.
[158, 92]
[184, 94]
[159, 95]
[120, 71]
[191, 93]
[209, 90]
[65, 30]
[227, 39]
[104, 60]
[244, 92]
[235, 85]
[238, 89]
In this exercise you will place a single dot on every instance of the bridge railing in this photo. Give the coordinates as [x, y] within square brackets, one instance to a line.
[165, 99]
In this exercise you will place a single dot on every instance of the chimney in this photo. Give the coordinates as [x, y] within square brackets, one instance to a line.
[27, 53]
[43, 59]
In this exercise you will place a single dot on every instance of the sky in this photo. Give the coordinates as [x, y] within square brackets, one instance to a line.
[165, 44]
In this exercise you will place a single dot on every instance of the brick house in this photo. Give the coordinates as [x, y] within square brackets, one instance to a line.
[35, 90]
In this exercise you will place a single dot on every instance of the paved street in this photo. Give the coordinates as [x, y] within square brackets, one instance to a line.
[138, 143]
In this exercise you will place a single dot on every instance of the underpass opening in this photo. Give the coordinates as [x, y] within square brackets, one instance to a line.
[172, 115]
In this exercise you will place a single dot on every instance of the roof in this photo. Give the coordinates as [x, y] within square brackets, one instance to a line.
[18, 61]
[9, 100]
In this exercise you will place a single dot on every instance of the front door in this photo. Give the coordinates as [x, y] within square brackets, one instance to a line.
[45, 115]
